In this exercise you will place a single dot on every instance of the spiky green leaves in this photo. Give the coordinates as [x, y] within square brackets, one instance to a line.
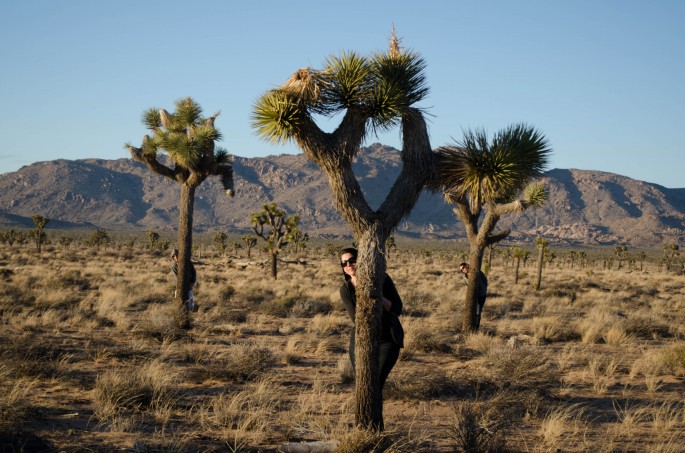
[492, 171]
[276, 116]
[382, 88]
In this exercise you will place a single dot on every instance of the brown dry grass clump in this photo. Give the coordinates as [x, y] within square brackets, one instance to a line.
[92, 358]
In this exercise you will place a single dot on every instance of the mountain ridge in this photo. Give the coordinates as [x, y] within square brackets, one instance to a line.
[584, 207]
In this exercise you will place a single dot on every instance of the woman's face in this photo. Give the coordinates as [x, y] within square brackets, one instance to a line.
[349, 264]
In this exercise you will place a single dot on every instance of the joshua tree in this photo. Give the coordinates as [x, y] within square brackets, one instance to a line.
[518, 255]
[671, 250]
[372, 93]
[250, 241]
[389, 245]
[488, 180]
[299, 240]
[282, 229]
[220, 241]
[64, 242]
[153, 237]
[189, 141]
[621, 253]
[98, 238]
[235, 246]
[542, 247]
[38, 233]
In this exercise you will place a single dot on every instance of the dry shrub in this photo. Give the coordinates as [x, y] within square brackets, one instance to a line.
[423, 336]
[306, 308]
[328, 324]
[601, 371]
[247, 410]
[673, 358]
[118, 393]
[28, 355]
[420, 383]
[564, 429]
[15, 407]
[482, 342]
[476, 427]
[345, 370]
[161, 323]
[646, 328]
[617, 336]
[240, 362]
[553, 328]
[365, 441]
[522, 369]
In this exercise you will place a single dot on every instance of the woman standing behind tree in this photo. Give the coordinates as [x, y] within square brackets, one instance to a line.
[392, 334]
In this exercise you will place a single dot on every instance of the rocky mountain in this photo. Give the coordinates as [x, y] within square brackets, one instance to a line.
[588, 207]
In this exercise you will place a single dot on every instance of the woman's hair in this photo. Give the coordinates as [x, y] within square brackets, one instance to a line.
[350, 250]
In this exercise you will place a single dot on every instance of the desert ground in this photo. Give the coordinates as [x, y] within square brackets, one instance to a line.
[92, 360]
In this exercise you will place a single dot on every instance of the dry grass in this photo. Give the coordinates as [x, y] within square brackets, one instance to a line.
[92, 357]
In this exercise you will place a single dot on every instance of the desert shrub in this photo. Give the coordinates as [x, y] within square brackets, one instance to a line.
[15, 407]
[306, 308]
[161, 323]
[421, 383]
[278, 306]
[255, 296]
[553, 328]
[646, 328]
[365, 441]
[475, 427]
[425, 338]
[518, 370]
[134, 390]
[246, 411]
[27, 355]
[241, 362]
[673, 358]
[226, 293]
[70, 279]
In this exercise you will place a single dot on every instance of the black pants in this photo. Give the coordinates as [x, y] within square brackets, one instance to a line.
[479, 312]
[388, 353]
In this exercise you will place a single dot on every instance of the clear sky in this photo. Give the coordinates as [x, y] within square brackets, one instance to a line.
[603, 79]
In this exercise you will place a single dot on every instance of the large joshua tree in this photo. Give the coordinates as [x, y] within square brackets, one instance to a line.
[373, 93]
[188, 140]
[486, 180]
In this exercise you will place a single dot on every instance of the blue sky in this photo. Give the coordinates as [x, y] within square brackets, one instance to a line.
[604, 80]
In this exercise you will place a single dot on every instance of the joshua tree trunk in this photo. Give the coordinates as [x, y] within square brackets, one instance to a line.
[274, 265]
[516, 270]
[541, 257]
[185, 242]
[471, 301]
[369, 401]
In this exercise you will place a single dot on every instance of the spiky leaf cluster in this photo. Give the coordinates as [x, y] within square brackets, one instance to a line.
[382, 88]
[497, 170]
[185, 135]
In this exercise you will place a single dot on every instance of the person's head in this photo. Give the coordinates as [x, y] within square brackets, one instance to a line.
[348, 262]
[464, 268]
[174, 254]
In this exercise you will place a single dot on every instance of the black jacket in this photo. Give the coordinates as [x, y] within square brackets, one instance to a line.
[391, 326]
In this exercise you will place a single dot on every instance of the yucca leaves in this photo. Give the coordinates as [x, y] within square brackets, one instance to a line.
[383, 88]
[276, 116]
[492, 171]
[184, 134]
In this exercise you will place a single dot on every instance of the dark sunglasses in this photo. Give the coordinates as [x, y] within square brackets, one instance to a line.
[350, 261]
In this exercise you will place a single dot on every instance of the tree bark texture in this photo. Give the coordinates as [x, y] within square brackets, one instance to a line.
[185, 242]
[370, 272]
[274, 265]
[541, 256]
[471, 301]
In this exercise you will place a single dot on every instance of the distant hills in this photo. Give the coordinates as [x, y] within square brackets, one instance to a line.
[585, 207]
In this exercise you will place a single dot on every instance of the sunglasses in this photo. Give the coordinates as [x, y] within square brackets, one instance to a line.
[350, 261]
